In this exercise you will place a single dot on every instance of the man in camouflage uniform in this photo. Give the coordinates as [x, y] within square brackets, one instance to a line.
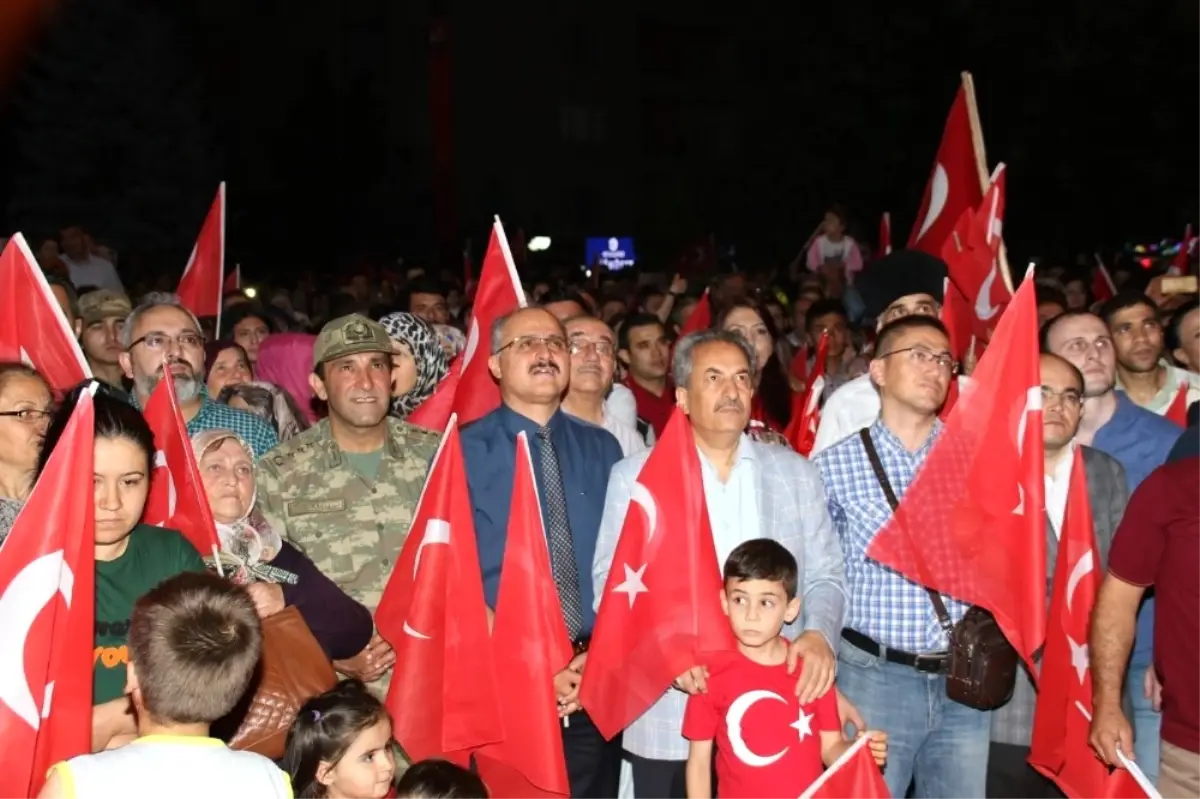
[346, 489]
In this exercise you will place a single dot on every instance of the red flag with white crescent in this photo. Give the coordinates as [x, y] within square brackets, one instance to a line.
[801, 431]
[47, 615]
[203, 283]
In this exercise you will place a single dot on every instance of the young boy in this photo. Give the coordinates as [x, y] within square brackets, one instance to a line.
[768, 745]
[194, 644]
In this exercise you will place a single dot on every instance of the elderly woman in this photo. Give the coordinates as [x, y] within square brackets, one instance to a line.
[270, 403]
[418, 361]
[24, 414]
[277, 574]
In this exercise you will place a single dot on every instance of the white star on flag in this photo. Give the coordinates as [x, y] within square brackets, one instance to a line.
[1079, 658]
[803, 725]
[633, 584]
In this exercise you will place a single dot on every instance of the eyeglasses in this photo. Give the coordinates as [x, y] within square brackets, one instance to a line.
[1068, 398]
[919, 355]
[603, 349]
[159, 341]
[524, 345]
[28, 415]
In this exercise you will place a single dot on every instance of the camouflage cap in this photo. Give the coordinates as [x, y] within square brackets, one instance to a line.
[350, 335]
[103, 304]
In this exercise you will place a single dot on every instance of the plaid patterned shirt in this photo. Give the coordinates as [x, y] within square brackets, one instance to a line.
[884, 605]
[260, 435]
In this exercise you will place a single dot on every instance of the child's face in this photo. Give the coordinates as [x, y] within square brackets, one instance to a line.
[367, 768]
[757, 610]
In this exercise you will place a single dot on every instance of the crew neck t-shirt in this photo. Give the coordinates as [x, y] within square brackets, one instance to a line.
[153, 555]
[365, 463]
[767, 743]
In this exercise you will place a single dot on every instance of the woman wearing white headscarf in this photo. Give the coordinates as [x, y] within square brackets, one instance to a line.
[275, 573]
[418, 361]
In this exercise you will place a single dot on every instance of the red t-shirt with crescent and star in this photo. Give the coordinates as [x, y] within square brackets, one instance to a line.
[768, 745]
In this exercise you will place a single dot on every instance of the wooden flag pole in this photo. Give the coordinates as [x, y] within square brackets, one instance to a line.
[981, 166]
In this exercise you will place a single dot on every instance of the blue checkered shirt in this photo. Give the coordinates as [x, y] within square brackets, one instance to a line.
[260, 435]
[884, 605]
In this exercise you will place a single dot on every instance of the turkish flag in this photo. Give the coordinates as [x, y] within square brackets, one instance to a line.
[1177, 411]
[443, 697]
[660, 614]
[177, 499]
[233, 281]
[954, 185]
[47, 615]
[32, 326]
[499, 293]
[971, 525]
[855, 774]
[531, 645]
[1060, 749]
[972, 256]
[801, 431]
[885, 234]
[799, 366]
[203, 282]
[434, 413]
[1103, 288]
[1179, 265]
[700, 318]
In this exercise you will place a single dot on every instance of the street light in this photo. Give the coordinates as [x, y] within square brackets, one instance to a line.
[539, 243]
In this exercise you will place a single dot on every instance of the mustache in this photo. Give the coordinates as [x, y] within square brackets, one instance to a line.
[588, 368]
[162, 370]
[736, 404]
[544, 363]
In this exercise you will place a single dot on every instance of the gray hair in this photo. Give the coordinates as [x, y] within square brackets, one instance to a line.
[155, 299]
[497, 332]
[681, 363]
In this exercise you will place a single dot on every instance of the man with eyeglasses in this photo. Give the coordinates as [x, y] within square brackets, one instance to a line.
[892, 656]
[530, 358]
[593, 362]
[1140, 441]
[905, 283]
[1009, 774]
[1138, 340]
[161, 334]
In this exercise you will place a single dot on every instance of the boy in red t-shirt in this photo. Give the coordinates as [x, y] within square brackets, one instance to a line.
[768, 744]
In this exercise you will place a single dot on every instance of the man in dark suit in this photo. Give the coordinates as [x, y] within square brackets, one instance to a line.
[1062, 408]
[530, 357]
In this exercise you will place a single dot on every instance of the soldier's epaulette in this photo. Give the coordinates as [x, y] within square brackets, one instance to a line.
[282, 456]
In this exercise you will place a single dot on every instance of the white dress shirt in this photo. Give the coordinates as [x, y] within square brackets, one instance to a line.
[625, 434]
[1058, 486]
[732, 505]
[94, 271]
[854, 406]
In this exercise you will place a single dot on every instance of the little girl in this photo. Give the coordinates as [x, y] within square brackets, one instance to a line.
[340, 746]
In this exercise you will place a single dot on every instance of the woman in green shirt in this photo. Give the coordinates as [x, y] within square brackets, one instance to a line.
[131, 558]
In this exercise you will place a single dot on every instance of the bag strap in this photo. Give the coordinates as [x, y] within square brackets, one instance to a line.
[939, 607]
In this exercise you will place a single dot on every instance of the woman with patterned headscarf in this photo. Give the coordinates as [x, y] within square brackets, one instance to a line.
[418, 361]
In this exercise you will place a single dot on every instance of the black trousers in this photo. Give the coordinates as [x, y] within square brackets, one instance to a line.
[1010, 777]
[593, 764]
[658, 779]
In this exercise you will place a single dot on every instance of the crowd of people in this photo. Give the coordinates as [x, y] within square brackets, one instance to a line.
[297, 415]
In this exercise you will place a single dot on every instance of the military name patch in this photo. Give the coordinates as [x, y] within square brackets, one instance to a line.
[301, 507]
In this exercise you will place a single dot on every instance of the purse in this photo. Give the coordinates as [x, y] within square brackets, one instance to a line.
[293, 669]
[982, 669]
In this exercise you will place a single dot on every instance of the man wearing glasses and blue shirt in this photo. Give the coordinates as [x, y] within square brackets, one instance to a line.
[530, 358]
[161, 334]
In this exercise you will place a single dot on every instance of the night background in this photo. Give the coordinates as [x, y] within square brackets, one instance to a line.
[657, 120]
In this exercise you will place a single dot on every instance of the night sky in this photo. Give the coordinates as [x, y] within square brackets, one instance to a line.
[573, 119]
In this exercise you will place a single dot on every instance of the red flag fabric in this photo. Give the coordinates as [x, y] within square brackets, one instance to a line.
[1177, 412]
[971, 524]
[1179, 265]
[954, 186]
[177, 499]
[434, 413]
[1060, 749]
[660, 613]
[972, 256]
[32, 326]
[499, 293]
[233, 281]
[531, 644]
[855, 774]
[700, 318]
[49, 554]
[442, 697]
[1103, 288]
[885, 234]
[799, 366]
[801, 431]
[203, 280]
